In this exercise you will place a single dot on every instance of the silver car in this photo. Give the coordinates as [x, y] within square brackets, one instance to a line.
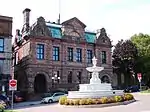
[53, 98]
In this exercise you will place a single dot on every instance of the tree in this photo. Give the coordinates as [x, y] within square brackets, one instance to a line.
[142, 42]
[124, 56]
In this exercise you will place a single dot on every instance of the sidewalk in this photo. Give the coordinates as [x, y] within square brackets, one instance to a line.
[27, 103]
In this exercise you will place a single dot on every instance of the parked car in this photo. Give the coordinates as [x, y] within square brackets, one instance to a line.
[53, 97]
[134, 88]
[19, 96]
[5, 99]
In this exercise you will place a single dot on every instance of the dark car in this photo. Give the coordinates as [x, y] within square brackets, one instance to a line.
[5, 99]
[134, 88]
[19, 96]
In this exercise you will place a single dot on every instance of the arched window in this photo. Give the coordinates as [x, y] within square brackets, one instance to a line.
[70, 77]
[105, 79]
[74, 34]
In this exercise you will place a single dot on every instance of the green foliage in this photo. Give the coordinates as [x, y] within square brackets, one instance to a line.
[2, 105]
[62, 100]
[102, 100]
[76, 101]
[128, 96]
[83, 102]
[124, 59]
[142, 42]
[118, 98]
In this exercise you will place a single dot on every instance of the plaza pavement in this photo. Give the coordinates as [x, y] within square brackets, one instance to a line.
[141, 105]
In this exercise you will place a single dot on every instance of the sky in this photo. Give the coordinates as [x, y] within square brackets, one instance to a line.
[120, 18]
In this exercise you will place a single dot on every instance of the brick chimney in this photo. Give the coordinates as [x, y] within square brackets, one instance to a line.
[26, 21]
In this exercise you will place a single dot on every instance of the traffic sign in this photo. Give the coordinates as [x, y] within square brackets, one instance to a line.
[12, 84]
[139, 75]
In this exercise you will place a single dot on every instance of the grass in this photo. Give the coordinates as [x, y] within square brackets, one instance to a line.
[146, 91]
[9, 111]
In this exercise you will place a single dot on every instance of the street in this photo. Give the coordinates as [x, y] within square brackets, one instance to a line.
[141, 105]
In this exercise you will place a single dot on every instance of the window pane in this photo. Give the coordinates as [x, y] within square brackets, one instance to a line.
[1, 45]
[40, 51]
[56, 53]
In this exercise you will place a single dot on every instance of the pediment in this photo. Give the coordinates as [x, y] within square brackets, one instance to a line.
[74, 22]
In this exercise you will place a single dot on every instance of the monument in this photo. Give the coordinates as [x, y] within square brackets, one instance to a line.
[95, 89]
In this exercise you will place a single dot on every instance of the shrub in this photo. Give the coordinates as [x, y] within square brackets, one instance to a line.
[128, 96]
[71, 102]
[67, 102]
[62, 100]
[76, 101]
[82, 102]
[2, 105]
[111, 100]
[104, 100]
[118, 98]
[89, 101]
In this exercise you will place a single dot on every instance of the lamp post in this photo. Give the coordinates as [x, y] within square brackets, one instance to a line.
[55, 79]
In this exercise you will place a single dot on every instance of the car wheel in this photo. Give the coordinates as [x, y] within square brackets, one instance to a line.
[50, 101]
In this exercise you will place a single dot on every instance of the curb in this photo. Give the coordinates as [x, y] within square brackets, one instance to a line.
[99, 105]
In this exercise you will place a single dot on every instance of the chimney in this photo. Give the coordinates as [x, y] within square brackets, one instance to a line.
[26, 25]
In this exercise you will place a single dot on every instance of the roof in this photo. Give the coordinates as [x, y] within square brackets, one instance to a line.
[56, 32]
[76, 19]
[6, 18]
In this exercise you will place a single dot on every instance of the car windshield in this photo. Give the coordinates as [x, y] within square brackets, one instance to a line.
[58, 94]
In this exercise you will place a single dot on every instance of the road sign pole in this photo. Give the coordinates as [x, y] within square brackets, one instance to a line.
[12, 102]
[140, 86]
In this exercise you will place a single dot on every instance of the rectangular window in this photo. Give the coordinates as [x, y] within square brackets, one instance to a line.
[104, 57]
[1, 66]
[89, 56]
[70, 77]
[1, 45]
[40, 51]
[56, 53]
[70, 54]
[79, 55]
[79, 77]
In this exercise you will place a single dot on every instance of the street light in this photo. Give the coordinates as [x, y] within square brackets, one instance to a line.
[55, 79]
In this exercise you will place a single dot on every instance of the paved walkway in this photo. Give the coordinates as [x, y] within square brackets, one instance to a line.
[141, 105]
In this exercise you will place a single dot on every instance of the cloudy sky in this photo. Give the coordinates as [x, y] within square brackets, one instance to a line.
[120, 18]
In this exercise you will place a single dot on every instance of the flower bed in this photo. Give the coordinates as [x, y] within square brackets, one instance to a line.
[102, 100]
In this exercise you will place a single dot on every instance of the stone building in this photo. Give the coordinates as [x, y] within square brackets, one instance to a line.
[5, 51]
[52, 56]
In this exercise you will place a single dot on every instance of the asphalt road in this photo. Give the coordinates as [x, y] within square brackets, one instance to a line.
[141, 105]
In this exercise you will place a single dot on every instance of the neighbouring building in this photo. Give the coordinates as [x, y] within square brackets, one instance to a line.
[50, 56]
[5, 51]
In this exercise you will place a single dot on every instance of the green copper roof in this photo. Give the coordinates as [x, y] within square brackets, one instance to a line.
[90, 37]
[56, 33]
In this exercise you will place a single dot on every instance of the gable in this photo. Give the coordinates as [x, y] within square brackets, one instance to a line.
[75, 22]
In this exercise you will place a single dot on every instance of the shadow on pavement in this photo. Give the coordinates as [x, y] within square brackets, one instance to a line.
[31, 105]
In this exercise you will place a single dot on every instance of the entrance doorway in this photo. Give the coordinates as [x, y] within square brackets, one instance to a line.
[105, 79]
[40, 85]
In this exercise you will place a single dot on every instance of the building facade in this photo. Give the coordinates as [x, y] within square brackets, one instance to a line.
[5, 51]
[50, 56]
